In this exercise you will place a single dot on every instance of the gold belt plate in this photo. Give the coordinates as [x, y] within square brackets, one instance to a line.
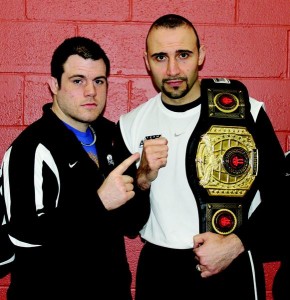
[226, 161]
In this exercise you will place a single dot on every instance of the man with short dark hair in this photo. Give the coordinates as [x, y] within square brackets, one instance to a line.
[210, 159]
[69, 202]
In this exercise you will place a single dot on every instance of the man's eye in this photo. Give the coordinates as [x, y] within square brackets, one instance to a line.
[77, 81]
[160, 57]
[183, 55]
[99, 81]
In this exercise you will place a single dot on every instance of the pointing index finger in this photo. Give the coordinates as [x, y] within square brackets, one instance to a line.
[123, 166]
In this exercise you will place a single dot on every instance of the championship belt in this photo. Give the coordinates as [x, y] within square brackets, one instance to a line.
[226, 158]
[226, 163]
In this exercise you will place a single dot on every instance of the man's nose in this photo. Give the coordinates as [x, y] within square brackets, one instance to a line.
[173, 67]
[90, 89]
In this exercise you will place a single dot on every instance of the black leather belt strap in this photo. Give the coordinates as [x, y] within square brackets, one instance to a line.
[222, 159]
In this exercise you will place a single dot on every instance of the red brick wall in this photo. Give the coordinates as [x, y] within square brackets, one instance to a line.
[245, 39]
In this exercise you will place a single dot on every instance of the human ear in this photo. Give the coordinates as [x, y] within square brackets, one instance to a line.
[53, 85]
[201, 55]
[145, 56]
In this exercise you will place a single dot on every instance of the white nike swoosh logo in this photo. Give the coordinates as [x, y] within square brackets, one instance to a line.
[73, 164]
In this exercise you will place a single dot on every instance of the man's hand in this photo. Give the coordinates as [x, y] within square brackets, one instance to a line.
[215, 252]
[117, 188]
[154, 157]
